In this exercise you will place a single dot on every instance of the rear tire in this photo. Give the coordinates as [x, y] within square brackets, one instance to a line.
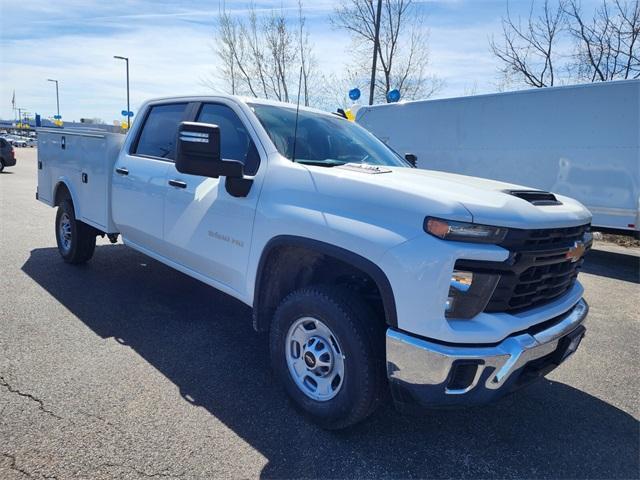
[341, 328]
[1, 165]
[76, 240]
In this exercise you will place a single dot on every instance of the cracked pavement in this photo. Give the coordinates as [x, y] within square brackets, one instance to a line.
[124, 368]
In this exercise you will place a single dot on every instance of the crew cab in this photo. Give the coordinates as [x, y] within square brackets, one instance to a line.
[369, 274]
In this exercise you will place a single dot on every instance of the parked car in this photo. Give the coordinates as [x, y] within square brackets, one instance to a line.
[17, 141]
[553, 139]
[367, 273]
[7, 155]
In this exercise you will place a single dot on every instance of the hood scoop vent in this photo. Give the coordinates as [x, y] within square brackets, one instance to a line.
[365, 168]
[535, 197]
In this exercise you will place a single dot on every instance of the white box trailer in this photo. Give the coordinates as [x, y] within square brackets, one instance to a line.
[581, 141]
[82, 159]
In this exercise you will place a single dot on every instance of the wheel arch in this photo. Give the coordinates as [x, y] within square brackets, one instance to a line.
[64, 186]
[284, 265]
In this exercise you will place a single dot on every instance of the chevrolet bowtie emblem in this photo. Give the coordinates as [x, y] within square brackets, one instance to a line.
[576, 252]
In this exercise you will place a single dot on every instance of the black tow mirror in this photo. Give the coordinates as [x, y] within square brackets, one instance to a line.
[198, 152]
[411, 158]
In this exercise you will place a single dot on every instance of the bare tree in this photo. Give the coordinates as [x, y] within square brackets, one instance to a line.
[606, 44]
[403, 55]
[262, 55]
[528, 49]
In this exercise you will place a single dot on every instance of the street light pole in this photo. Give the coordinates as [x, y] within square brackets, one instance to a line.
[57, 96]
[126, 59]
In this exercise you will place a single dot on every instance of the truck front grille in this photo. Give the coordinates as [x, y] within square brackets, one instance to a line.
[537, 271]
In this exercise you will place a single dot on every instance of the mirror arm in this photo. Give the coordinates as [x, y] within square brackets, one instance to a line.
[238, 186]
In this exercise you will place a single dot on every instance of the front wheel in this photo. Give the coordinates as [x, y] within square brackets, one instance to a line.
[76, 240]
[327, 348]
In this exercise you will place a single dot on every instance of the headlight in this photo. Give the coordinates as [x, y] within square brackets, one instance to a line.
[469, 293]
[463, 231]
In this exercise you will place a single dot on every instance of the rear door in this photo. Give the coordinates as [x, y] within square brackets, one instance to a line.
[207, 229]
[139, 180]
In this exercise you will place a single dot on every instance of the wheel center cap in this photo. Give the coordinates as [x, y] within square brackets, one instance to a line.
[309, 359]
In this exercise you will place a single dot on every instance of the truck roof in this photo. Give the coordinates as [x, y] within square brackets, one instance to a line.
[238, 99]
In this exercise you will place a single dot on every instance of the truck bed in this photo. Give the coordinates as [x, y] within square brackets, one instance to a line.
[83, 160]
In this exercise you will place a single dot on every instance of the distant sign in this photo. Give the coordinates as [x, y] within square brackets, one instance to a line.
[126, 113]
[58, 117]
[354, 94]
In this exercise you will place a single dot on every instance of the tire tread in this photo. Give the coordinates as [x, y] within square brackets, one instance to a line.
[366, 329]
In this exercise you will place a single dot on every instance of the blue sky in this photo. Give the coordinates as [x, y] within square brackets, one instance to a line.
[170, 46]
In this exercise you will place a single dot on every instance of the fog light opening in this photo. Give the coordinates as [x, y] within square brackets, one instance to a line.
[463, 375]
[469, 293]
[461, 282]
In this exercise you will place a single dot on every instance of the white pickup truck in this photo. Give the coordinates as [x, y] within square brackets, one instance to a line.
[368, 274]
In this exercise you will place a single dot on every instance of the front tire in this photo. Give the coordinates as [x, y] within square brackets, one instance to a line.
[76, 240]
[1, 165]
[327, 348]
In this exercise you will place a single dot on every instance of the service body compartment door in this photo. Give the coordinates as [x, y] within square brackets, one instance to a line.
[92, 184]
[45, 185]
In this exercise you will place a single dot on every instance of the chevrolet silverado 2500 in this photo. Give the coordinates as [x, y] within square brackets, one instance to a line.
[369, 274]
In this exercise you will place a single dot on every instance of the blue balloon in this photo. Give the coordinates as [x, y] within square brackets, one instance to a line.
[393, 95]
[354, 94]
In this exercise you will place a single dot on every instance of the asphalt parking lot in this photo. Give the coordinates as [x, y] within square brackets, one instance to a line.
[125, 368]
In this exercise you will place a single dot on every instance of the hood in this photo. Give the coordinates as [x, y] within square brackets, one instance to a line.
[444, 194]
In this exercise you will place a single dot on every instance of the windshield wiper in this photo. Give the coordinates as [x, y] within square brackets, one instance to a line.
[321, 163]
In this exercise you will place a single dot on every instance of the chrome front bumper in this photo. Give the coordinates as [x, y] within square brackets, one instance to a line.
[430, 374]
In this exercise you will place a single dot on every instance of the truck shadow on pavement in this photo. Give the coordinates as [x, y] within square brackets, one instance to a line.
[202, 341]
[616, 265]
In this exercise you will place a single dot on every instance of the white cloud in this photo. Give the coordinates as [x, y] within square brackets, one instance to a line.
[170, 49]
[163, 61]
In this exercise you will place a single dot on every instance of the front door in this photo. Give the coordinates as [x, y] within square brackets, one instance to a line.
[139, 180]
[208, 230]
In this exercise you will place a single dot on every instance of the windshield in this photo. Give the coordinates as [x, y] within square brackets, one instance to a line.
[323, 139]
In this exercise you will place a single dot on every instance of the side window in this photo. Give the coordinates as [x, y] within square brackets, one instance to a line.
[160, 129]
[236, 144]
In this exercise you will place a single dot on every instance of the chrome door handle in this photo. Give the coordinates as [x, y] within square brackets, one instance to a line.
[122, 171]
[177, 183]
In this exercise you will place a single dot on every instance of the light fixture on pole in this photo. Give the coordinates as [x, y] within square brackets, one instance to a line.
[126, 59]
[57, 117]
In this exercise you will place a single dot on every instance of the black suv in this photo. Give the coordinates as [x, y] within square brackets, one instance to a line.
[7, 155]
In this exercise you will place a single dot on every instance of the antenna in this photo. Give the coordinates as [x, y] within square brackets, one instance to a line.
[295, 129]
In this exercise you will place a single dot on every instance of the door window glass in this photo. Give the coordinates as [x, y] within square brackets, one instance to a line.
[159, 132]
[235, 142]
